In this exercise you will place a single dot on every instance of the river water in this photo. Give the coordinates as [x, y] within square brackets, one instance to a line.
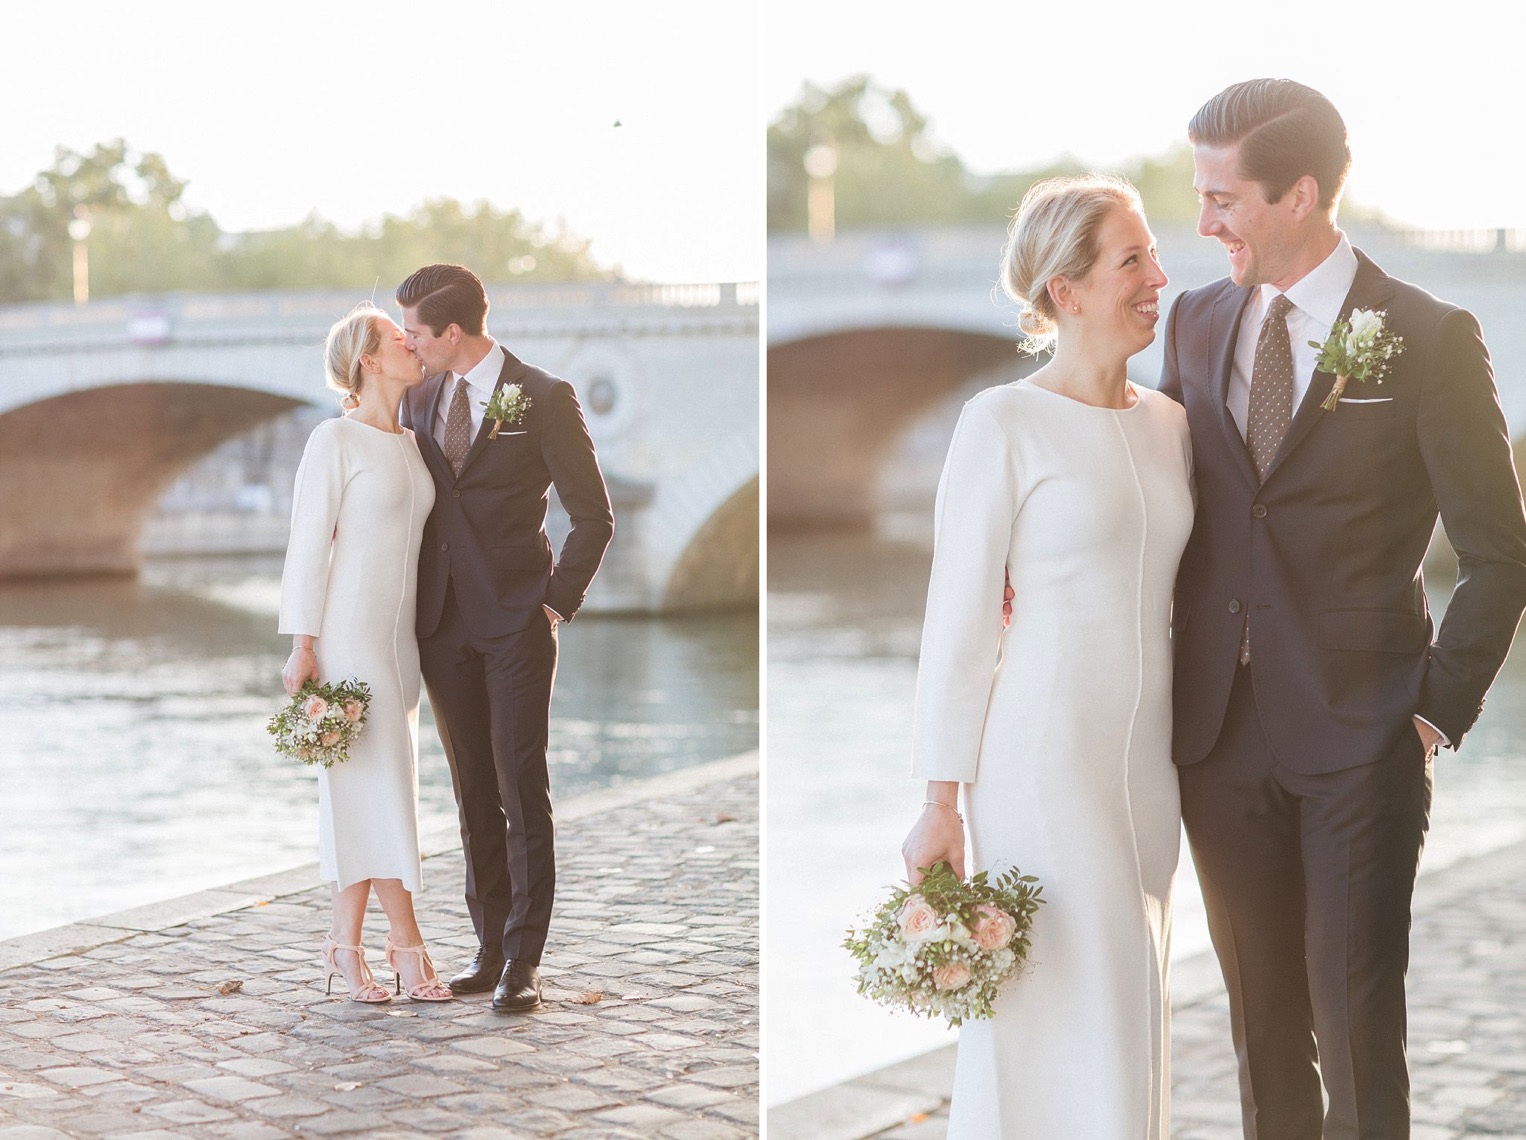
[844, 623]
[134, 763]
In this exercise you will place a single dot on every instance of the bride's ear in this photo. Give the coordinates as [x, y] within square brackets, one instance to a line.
[1061, 293]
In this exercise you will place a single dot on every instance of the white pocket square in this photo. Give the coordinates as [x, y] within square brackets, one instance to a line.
[502, 434]
[1366, 400]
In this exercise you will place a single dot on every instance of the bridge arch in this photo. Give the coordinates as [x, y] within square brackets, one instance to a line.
[80, 472]
[838, 404]
[701, 531]
[719, 569]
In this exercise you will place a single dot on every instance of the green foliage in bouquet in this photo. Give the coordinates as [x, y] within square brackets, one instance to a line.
[946, 947]
[318, 725]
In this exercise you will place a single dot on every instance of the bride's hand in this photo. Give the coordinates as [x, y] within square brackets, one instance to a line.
[936, 837]
[300, 667]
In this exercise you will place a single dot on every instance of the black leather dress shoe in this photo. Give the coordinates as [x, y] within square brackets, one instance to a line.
[519, 989]
[482, 974]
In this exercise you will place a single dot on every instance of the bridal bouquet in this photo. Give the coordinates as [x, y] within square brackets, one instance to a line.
[318, 725]
[946, 946]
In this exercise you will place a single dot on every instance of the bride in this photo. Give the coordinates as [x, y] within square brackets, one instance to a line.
[1076, 485]
[347, 599]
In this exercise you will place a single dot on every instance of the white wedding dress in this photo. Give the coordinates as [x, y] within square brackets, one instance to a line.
[1065, 744]
[362, 495]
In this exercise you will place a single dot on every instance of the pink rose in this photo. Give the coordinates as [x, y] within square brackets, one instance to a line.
[917, 919]
[951, 976]
[329, 739]
[995, 928]
[353, 711]
[315, 708]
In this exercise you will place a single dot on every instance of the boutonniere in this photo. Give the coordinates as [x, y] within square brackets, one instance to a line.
[1358, 349]
[508, 406]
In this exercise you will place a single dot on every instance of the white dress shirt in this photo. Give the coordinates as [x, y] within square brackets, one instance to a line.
[1317, 298]
[480, 382]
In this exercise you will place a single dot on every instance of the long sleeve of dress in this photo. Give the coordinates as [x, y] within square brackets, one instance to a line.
[314, 515]
[976, 508]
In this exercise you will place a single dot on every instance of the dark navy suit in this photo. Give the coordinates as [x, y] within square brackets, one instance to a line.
[1305, 788]
[486, 647]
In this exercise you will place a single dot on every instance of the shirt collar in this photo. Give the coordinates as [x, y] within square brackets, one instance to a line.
[1322, 291]
[484, 375]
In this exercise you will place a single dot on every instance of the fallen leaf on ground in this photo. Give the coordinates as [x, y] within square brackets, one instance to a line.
[230, 987]
[724, 817]
[589, 997]
[347, 1086]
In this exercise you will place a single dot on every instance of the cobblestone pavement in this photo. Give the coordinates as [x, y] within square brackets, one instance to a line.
[1467, 1036]
[206, 1017]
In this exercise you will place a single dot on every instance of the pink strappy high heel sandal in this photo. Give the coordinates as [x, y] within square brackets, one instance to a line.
[370, 991]
[431, 988]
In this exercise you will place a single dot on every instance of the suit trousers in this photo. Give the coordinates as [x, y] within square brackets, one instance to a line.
[492, 699]
[1308, 881]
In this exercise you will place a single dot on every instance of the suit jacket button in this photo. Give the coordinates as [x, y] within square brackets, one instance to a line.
[455, 494]
[1234, 605]
[1258, 511]
[446, 546]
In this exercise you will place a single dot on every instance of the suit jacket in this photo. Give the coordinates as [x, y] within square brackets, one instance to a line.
[487, 532]
[1326, 553]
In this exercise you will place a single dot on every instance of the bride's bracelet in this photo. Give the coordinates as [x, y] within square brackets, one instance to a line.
[940, 803]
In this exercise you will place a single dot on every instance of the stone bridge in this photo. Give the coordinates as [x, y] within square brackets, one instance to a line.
[104, 405]
[869, 333]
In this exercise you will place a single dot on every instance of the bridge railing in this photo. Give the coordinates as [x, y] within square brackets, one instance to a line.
[154, 320]
[1496, 240]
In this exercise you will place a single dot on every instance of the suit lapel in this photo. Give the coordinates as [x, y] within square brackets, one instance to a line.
[423, 432]
[1227, 315]
[1371, 289]
[511, 370]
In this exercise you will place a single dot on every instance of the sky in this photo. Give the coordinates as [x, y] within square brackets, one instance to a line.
[1431, 93]
[278, 109]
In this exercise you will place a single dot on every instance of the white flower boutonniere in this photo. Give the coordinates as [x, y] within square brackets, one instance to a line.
[508, 406]
[1358, 349]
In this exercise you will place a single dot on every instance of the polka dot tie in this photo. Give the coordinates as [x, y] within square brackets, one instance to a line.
[1271, 388]
[458, 425]
[1271, 407]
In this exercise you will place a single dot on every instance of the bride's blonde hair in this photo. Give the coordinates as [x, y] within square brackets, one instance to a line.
[352, 336]
[1054, 234]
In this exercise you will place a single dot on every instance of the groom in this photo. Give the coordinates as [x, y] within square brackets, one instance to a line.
[490, 598]
[1311, 689]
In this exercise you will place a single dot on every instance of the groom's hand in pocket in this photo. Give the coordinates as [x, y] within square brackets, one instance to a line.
[1430, 736]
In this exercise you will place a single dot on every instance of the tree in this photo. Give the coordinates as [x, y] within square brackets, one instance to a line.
[145, 239]
[892, 170]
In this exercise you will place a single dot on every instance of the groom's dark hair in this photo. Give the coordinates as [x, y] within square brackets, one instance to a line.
[1284, 129]
[446, 295]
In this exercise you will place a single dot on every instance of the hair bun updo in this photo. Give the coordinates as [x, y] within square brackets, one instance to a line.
[351, 337]
[1034, 325]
